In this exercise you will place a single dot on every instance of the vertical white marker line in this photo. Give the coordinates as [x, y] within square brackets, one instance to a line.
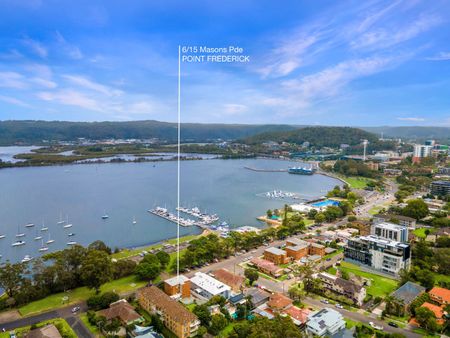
[178, 168]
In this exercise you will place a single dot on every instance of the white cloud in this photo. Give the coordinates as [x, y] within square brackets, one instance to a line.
[86, 83]
[411, 119]
[382, 38]
[234, 108]
[14, 101]
[36, 47]
[44, 82]
[71, 98]
[442, 56]
[72, 51]
[12, 80]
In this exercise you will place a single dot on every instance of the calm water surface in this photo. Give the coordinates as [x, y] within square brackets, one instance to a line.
[83, 193]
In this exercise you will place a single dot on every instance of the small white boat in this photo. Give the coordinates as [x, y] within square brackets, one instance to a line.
[26, 259]
[44, 228]
[71, 243]
[37, 238]
[18, 243]
[2, 236]
[20, 235]
[50, 241]
[70, 234]
[29, 225]
[105, 216]
[43, 247]
[61, 221]
[67, 226]
[134, 220]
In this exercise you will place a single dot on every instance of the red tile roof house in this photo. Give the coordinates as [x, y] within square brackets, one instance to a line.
[235, 282]
[123, 311]
[282, 305]
[437, 310]
[440, 295]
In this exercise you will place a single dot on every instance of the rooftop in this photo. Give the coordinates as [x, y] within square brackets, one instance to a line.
[389, 226]
[279, 301]
[297, 247]
[441, 293]
[408, 292]
[324, 318]
[172, 308]
[265, 264]
[228, 277]
[209, 284]
[297, 241]
[121, 310]
[317, 245]
[392, 216]
[297, 314]
[383, 241]
[177, 280]
[257, 295]
[276, 251]
[48, 331]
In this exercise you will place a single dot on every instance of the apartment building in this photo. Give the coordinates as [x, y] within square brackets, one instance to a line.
[275, 255]
[343, 287]
[440, 188]
[391, 231]
[175, 316]
[208, 287]
[178, 286]
[379, 254]
[405, 221]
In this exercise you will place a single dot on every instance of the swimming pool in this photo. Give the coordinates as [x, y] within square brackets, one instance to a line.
[325, 203]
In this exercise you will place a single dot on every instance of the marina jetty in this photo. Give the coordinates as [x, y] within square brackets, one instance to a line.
[267, 170]
[201, 220]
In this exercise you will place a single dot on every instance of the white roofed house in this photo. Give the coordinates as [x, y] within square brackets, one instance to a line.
[325, 322]
[208, 287]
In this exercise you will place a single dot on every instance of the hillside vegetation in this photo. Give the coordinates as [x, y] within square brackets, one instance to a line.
[316, 136]
[34, 132]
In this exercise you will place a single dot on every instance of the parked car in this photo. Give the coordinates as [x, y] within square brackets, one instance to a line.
[339, 306]
[375, 326]
[393, 324]
[325, 301]
[75, 309]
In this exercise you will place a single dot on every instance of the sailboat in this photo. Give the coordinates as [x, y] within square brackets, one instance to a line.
[44, 228]
[18, 243]
[19, 234]
[70, 234]
[68, 225]
[71, 243]
[50, 241]
[38, 237]
[105, 215]
[134, 220]
[2, 236]
[43, 248]
[61, 221]
[29, 225]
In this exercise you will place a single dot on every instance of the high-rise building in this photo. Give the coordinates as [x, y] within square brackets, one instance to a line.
[391, 231]
[440, 188]
[421, 151]
[379, 254]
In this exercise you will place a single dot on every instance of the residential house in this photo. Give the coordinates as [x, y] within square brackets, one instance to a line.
[267, 267]
[406, 294]
[123, 311]
[47, 331]
[343, 287]
[275, 255]
[175, 316]
[278, 304]
[325, 322]
[178, 286]
[437, 310]
[316, 249]
[235, 282]
[440, 295]
[208, 287]
[257, 296]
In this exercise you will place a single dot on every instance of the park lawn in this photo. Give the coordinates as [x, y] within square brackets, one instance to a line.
[308, 222]
[125, 253]
[350, 323]
[62, 326]
[79, 294]
[380, 286]
[420, 232]
[376, 209]
[357, 182]
[94, 329]
[438, 278]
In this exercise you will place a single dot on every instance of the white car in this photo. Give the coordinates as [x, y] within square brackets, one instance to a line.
[339, 306]
[375, 326]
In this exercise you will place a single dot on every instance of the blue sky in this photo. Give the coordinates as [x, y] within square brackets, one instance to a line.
[357, 63]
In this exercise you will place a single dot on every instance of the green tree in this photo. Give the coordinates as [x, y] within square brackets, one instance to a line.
[218, 323]
[100, 246]
[11, 277]
[252, 275]
[202, 312]
[148, 268]
[319, 218]
[426, 318]
[269, 213]
[164, 258]
[96, 269]
[417, 209]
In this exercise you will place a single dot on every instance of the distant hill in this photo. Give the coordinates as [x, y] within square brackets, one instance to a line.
[317, 136]
[413, 133]
[34, 132]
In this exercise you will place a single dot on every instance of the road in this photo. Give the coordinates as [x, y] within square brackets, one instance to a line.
[65, 313]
